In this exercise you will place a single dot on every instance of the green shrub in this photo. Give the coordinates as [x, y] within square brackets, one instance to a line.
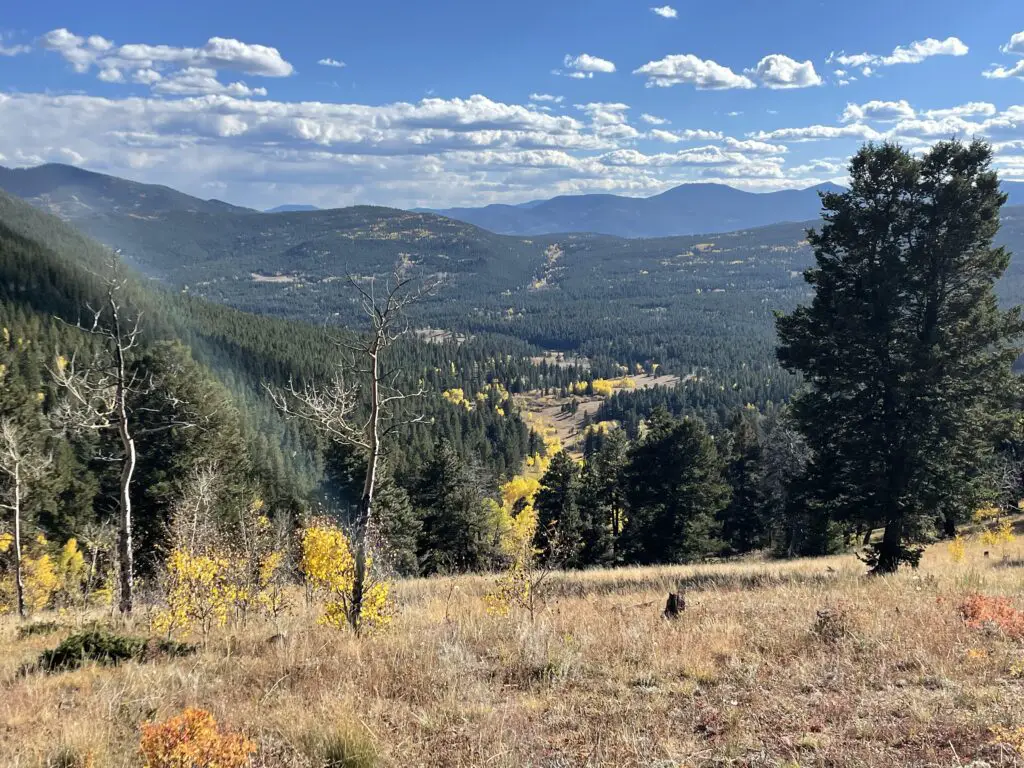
[94, 644]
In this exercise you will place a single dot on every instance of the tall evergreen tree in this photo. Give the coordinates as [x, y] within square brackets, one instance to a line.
[906, 354]
[449, 497]
[558, 512]
[743, 523]
[602, 498]
[674, 490]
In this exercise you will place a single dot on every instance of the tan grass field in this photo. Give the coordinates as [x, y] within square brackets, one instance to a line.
[749, 676]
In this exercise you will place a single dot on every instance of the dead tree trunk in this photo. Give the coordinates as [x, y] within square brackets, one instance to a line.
[365, 518]
[124, 542]
[18, 574]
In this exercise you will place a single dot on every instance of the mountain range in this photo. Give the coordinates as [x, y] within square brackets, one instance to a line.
[684, 210]
[85, 197]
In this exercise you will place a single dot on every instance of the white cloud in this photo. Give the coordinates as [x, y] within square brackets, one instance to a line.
[146, 76]
[586, 65]
[689, 134]
[920, 50]
[98, 43]
[653, 119]
[709, 155]
[111, 75]
[827, 166]
[329, 62]
[883, 111]
[546, 97]
[1000, 73]
[218, 53]
[13, 50]
[818, 132]
[432, 152]
[755, 147]
[778, 71]
[971, 109]
[946, 127]
[665, 11]
[688, 69]
[914, 53]
[199, 81]
[1016, 44]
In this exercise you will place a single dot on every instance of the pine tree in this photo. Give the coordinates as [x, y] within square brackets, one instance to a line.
[558, 512]
[743, 524]
[674, 491]
[602, 498]
[450, 500]
[906, 354]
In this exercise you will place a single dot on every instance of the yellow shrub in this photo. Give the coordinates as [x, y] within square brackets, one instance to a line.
[198, 590]
[329, 567]
[957, 550]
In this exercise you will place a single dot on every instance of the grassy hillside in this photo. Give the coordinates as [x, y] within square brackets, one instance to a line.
[804, 663]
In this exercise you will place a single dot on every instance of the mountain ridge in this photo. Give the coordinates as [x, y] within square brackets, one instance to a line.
[687, 209]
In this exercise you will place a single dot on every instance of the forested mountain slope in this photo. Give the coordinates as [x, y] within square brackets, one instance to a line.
[49, 271]
[695, 304]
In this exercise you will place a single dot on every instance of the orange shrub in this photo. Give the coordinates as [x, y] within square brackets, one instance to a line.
[985, 612]
[193, 740]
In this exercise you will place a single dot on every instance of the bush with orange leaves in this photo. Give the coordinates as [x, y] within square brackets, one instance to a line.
[993, 613]
[193, 740]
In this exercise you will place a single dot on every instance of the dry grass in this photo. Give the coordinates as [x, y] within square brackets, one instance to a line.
[773, 664]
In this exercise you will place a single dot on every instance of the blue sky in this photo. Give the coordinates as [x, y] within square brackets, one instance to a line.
[459, 103]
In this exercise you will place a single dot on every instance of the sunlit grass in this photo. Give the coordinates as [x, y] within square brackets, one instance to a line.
[773, 663]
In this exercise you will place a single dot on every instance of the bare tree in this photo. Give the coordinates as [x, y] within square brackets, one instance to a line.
[97, 398]
[334, 408]
[22, 463]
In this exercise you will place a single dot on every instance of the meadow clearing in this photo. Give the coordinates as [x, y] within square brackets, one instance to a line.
[803, 663]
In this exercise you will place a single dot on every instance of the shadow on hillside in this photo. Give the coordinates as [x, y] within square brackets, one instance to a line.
[1010, 562]
[618, 583]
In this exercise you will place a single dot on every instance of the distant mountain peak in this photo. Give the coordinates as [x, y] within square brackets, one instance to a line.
[292, 208]
[690, 208]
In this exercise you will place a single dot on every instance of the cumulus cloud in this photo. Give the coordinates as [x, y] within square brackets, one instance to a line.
[778, 71]
[329, 62]
[914, 53]
[1016, 44]
[755, 147]
[882, 111]
[1001, 73]
[689, 134]
[653, 119]
[194, 81]
[687, 69]
[585, 65]
[546, 97]
[665, 11]
[111, 75]
[433, 151]
[818, 132]
[971, 109]
[170, 69]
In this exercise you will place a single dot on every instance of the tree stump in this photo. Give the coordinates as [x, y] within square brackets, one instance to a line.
[676, 605]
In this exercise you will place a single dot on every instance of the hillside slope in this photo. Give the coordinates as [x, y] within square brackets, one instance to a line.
[76, 194]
